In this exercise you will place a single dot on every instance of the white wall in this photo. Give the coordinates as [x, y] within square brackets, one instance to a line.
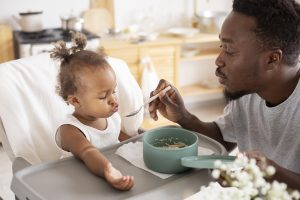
[214, 5]
[154, 14]
[162, 14]
[51, 9]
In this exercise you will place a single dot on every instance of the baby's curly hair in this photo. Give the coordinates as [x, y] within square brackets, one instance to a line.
[277, 24]
[73, 60]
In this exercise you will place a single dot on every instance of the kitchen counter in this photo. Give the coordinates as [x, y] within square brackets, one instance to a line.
[111, 42]
[163, 39]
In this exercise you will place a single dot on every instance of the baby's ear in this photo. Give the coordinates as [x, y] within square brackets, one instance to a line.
[73, 100]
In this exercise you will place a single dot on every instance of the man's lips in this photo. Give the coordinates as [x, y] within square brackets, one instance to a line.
[220, 75]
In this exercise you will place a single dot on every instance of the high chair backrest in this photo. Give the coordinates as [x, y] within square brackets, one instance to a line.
[30, 108]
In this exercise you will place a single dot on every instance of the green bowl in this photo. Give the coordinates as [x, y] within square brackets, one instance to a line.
[164, 147]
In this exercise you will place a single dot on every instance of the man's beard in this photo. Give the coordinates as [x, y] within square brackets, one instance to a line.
[230, 96]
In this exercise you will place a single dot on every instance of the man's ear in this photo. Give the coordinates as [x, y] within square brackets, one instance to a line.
[73, 100]
[274, 58]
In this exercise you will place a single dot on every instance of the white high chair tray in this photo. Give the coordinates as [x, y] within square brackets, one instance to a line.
[69, 179]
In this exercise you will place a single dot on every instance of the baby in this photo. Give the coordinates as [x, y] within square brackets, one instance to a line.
[88, 82]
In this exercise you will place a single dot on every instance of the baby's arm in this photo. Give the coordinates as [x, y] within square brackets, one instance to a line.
[74, 141]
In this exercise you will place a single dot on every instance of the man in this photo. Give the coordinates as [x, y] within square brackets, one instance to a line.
[259, 68]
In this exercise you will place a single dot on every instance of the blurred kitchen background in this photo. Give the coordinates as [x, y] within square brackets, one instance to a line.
[162, 13]
[172, 39]
[176, 40]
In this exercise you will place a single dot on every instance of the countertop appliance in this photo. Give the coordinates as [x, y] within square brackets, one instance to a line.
[29, 44]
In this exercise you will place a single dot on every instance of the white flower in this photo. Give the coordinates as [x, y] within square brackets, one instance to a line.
[295, 194]
[217, 163]
[245, 181]
[223, 167]
[216, 173]
[270, 171]
[235, 184]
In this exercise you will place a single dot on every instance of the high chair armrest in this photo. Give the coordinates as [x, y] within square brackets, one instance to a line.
[19, 163]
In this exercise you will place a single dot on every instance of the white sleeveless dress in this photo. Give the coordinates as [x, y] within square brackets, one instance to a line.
[99, 138]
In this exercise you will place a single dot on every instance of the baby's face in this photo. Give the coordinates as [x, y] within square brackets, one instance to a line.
[97, 93]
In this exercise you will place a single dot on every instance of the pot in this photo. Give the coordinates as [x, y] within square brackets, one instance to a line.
[71, 22]
[30, 21]
[161, 150]
[210, 21]
[174, 150]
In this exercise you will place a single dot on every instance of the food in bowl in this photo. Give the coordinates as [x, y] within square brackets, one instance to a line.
[169, 142]
[164, 147]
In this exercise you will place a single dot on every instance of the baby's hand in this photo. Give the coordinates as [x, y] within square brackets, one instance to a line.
[116, 179]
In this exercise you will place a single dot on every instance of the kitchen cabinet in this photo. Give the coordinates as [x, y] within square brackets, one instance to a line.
[205, 49]
[6, 43]
[168, 56]
[104, 4]
[164, 53]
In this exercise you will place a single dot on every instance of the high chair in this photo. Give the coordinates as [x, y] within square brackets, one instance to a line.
[30, 108]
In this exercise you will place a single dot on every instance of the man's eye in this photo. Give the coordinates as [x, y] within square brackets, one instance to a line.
[102, 98]
[226, 50]
[229, 53]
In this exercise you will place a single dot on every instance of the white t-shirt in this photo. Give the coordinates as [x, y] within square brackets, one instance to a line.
[275, 131]
[99, 138]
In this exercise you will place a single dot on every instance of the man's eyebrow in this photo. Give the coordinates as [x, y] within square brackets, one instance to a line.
[227, 40]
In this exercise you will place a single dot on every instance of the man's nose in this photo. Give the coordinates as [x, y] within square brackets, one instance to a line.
[219, 60]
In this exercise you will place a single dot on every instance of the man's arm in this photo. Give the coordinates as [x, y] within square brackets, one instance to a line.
[281, 175]
[286, 176]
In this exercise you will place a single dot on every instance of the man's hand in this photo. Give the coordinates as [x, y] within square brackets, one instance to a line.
[282, 174]
[169, 104]
[261, 160]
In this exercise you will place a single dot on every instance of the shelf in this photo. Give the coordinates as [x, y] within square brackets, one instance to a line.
[197, 89]
[196, 93]
[201, 38]
[115, 43]
[212, 54]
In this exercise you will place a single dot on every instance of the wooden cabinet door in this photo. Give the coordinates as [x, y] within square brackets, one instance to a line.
[6, 44]
[164, 59]
[130, 56]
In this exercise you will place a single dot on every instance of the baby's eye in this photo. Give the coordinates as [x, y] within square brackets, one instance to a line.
[102, 97]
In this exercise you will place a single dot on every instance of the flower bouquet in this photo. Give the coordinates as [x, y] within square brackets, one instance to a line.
[244, 180]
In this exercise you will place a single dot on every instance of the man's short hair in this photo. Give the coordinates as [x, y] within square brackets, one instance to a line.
[277, 24]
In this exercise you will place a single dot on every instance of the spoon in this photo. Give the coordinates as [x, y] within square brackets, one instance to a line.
[146, 102]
